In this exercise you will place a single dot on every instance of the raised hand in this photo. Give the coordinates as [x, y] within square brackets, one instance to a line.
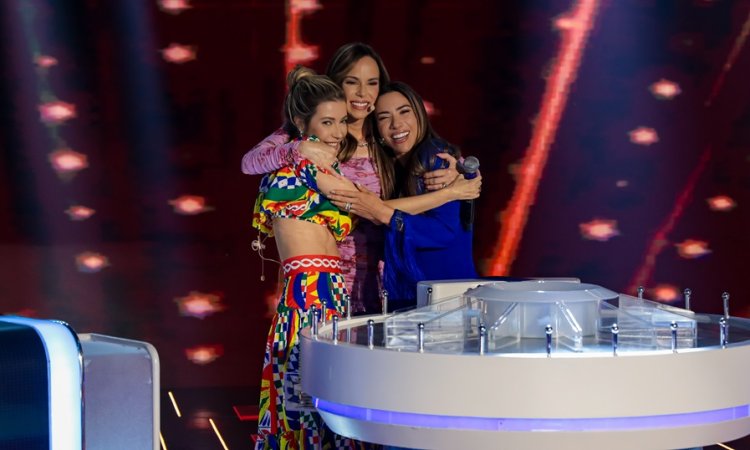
[438, 179]
[361, 202]
[320, 154]
[463, 189]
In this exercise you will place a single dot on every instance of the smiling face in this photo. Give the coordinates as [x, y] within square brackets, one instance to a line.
[361, 84]
[397, 123]
[328, 123]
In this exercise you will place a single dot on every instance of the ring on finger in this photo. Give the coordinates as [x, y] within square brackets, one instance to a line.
[348, 206]
[444, 185]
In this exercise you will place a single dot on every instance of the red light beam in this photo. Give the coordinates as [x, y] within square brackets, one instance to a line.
[574, 28]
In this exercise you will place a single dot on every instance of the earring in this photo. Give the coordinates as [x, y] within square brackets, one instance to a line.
[381, 141]
[301, 133]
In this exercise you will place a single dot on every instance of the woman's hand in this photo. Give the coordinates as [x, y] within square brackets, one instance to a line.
[463, 189]
[318, 153]
[438, 179]
[363, 203]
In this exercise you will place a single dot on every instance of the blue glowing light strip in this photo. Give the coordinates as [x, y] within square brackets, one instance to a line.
[516, 424]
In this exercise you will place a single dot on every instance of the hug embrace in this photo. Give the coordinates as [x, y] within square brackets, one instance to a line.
[362, 197]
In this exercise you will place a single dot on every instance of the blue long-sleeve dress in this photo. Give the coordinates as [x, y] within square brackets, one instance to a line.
[434, 245]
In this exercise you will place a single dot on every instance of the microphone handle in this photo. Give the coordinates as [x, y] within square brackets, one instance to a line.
[466, 213]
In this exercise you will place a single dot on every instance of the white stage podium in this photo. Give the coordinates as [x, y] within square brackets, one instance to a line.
[535, 364]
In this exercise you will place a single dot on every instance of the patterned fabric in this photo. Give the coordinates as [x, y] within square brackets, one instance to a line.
[306, 262]
[292, 192]
[362, 251]
[285, 420]
[307, 282]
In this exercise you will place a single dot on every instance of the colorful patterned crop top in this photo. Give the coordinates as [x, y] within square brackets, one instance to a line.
[292, 193]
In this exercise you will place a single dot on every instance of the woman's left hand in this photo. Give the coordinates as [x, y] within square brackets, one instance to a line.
[463, 189]
[361, 202]
[438, 179]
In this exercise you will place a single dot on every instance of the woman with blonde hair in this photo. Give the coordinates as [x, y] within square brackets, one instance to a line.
[291, 207]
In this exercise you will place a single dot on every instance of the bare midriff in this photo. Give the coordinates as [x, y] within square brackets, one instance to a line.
[298, 237]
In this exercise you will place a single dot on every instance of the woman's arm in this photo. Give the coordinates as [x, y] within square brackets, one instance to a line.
[272, 153]
[440, 178]
[459, 189]
[368, 205]
[275, 152]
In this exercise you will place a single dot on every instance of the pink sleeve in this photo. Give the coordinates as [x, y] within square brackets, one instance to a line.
[272, 153]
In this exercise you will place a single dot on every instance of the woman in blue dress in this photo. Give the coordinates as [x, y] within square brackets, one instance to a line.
[436, 244]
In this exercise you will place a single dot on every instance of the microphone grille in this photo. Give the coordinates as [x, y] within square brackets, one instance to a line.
[471, 164]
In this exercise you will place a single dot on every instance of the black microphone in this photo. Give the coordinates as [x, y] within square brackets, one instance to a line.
[469, 167]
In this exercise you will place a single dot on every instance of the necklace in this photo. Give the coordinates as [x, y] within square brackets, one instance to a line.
[362, 144]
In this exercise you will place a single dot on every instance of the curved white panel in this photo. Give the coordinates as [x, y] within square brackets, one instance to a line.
[645, 396]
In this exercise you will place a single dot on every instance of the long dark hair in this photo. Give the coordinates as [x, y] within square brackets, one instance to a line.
[428, 141]
[340, 64]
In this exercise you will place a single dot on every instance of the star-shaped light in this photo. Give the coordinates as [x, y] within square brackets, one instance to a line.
[643, 136]
[178, 53]
[721, 203]
[56, 112]
[199, 305]
[79, 212]
[174, 6]
[665, 293]
[599, 230]
[301, 53]
[692, 248]
[91, 262]
[665, 89]
[204, 354]
[67, 161]
[45, 61]
[189, 205]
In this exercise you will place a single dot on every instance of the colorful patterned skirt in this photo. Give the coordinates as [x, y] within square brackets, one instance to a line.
[286, 421]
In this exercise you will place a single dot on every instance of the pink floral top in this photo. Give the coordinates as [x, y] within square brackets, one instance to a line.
[362, 250]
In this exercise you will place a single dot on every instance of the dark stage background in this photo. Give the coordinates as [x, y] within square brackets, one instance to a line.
[644, 180]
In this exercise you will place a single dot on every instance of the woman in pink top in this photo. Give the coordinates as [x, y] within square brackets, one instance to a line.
[360, 71]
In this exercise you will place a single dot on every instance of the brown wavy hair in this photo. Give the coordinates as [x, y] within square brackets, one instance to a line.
[341, 63]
